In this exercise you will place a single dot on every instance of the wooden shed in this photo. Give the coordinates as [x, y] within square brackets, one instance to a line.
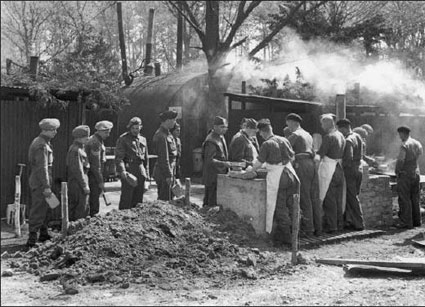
[184, 92]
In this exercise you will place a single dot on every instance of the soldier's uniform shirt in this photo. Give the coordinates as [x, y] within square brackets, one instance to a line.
[302, 144]
[95, 150]
[214, 152]
[40, 157]
[333, 144]
[78, 165]
[131, 155]
[242, 148]
[353, 152]
[408, 182]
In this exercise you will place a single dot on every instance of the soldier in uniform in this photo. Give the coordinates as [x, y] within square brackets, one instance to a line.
[276, 155]
[353, 175]
[302, 144]
[78, 165]
[40, 156]
[364, 135]
[165, 148]
[242, 147]
[176, 134]
[331, 175]
[215, 155]
[95, 150]
[408, 180]
[131, 157]
[253, 138]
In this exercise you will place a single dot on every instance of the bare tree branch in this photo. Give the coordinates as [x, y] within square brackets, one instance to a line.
[188, 15]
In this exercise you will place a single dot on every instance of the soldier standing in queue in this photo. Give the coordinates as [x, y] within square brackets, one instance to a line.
[176, 135]
[165, 148]
[276, 155]
[242, 147]
[408, 180]
[131, 160]
[40, 156]
[95, 150]
[78, 165]
[331, 175]
[215, 156]
[302, 144]
[353, 175]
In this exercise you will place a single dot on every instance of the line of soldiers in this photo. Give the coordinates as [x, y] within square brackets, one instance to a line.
[85, 162]
[327, 181]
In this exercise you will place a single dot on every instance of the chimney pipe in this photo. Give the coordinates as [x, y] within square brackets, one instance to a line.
[243, 87]
[357, 92]
[179, 51]
[34, 67]
[149, 39]
[340, 104]
[125, 76]
[157, 69]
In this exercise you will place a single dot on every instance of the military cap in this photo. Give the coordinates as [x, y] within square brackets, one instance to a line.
[368, 128]
[263, 122]
[345, 122]
[103, 125]
[251, 123]
[361, 131]
[49, 123]
[168, 115]
[134, 121]
[218, 121]
[295, 117]
[81, 131]
[403, 129]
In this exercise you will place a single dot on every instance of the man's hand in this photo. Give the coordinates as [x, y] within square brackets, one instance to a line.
[47, 192]
[86, 191]
[102, 186]
[123, 175]
[228, 164]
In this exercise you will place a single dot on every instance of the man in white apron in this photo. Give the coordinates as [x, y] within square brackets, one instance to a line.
[331, 175]
[242, 148]
[351, 161]
[276, 155]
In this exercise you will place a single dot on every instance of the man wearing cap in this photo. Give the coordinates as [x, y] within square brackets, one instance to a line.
[353, 175]
[95, 150]
[253, 139]
[276, 155]
[40, 157]
[302, 144]
[242, 148]
[365, 131]
[408, 180]
[215, 156]
[331, 175]
[165, 148]
[131, 161]
[78, 165]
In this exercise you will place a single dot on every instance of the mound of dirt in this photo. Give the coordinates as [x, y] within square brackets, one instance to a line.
[153, 243]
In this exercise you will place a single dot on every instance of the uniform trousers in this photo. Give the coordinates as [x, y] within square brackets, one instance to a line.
[408, 189]
[130, 196]
[353, 211]
[78, 201]
[333, 218]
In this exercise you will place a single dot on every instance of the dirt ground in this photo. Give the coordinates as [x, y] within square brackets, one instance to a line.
[305, 284]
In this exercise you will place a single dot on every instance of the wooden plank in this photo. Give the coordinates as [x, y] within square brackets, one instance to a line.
[418, 264]
[375, 271]
[419, 242]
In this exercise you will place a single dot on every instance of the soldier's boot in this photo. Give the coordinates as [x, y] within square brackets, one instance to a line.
[44, 234]
[32, 239]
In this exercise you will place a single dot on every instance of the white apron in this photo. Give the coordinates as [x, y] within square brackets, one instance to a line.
[326, 171]
[274, 171]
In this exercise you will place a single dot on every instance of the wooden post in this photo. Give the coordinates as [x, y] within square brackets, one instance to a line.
[187, 192]
[179, 51]
[340, 104]
[295, 227]
[243, 87]
[157, 69]
[125, 76]
[64, 203]
[18, 206]
[149, 39]
[34, 67]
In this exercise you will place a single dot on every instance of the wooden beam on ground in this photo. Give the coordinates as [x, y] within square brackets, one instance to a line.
[375, 271]
[410, 265]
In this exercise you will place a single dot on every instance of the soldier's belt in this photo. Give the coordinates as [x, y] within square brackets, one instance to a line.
[303, 156]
